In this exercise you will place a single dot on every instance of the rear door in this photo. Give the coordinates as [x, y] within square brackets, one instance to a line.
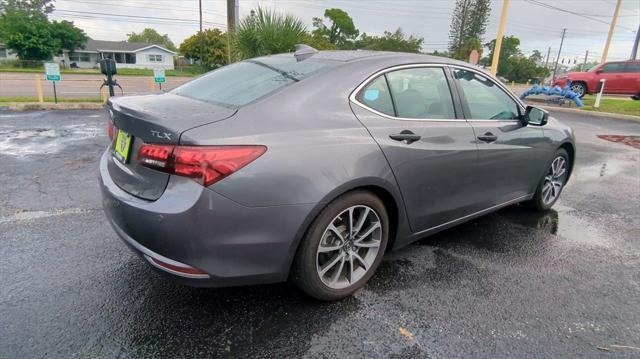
[631, 78]
[511, 155]
[410, 113]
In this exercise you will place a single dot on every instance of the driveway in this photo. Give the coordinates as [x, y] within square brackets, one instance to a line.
[565, 283]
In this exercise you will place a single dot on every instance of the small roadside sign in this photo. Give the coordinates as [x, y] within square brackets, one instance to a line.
[52, 71]
[158, 76]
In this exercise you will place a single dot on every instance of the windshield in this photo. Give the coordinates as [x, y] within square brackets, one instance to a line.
[237, 84]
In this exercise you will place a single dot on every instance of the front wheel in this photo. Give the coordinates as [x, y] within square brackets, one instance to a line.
[551, 185]
[343, 247]
[579, 88]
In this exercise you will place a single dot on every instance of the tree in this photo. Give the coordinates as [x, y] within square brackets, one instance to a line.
[341, 32]
[28, 33]
[513, 65]
[535, 56]
[468, 25]
[390, 41]
[153, 37]
[29, 6]
[209, 47]
[265, 32]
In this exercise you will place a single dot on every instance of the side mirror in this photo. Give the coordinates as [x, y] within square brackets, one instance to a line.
[536, 116]
[598, 71]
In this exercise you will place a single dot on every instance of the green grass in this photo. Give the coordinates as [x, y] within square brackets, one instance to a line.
[624, 106]
[6, 100]
[185, 72]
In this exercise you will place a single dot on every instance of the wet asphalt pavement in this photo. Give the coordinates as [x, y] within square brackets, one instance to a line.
[516, 283]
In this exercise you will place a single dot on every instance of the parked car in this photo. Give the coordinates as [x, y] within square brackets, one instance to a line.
[621, 77]
[311, 166]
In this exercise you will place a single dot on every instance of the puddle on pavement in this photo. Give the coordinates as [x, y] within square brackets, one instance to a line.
[42, 141]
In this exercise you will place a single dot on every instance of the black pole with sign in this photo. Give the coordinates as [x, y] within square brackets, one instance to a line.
[55, 94]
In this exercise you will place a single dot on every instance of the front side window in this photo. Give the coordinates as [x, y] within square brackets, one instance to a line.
[421, 93]
[80, 57]
[242, 82]
[613, 67]
[486, 101]
[376, 96]
[155, 58]
[3, 52]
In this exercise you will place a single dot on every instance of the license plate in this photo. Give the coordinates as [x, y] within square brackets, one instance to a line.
[122, 146]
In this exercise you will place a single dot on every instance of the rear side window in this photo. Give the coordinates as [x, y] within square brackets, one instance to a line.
[238, 84]
[376, 96]
[421, 93]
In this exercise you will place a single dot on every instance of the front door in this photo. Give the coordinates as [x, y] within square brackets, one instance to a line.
[510, 153]
[432, 151]
[613, 73]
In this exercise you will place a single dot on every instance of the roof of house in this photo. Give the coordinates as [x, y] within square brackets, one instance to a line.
[121, 46]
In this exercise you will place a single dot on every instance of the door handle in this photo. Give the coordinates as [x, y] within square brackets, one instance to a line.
[488, 137]
[406, 136]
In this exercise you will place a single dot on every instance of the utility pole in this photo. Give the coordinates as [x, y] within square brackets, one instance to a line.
[232, 15]
[584, 64]
[634, 51]
[564, 31]
[546, 62]
[611, 30]
[498, 46]
[200, 3]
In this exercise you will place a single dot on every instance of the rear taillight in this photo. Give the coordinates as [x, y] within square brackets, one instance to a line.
[205, 164]
[110, 129]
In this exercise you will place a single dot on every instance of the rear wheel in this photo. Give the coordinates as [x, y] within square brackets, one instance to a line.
[551, 185]
[580, 88]
[343, 247]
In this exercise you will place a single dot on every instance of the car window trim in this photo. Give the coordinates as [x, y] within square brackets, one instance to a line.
[353, 97]
[455, 96]
[465, 104]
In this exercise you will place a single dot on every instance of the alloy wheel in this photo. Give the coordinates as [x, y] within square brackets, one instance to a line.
[578, 89]
[349, 246]
[554, 180]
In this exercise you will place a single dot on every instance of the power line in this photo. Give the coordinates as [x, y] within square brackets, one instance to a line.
[548, 6]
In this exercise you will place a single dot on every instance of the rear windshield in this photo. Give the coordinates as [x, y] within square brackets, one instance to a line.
[240, 83]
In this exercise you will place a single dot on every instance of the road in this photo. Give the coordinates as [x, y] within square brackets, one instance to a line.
[80, 86]
[565, 283]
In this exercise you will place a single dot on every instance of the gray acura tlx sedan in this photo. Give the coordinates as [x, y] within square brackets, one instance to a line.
[310, 166]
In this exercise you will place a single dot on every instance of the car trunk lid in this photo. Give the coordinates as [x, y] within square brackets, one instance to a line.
[159, 119]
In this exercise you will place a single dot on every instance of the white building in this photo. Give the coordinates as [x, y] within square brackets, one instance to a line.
[138, 55]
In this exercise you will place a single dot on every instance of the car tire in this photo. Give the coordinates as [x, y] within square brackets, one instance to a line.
[335, 259]
[552, 183]
[580, 88]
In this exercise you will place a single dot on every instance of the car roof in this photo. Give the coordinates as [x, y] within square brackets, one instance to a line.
[370, 55]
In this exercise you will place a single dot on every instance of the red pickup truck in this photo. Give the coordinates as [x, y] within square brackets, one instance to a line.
[622, 77]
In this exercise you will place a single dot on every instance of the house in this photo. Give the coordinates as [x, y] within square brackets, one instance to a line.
[138, 55]
[6, 54]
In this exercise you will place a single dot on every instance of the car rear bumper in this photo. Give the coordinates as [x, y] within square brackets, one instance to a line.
[190, 225]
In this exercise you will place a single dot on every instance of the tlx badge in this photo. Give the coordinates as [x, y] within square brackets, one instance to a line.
[163, 135]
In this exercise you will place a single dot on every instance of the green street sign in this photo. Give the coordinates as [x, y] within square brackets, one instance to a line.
[158, 76]
[52, 71]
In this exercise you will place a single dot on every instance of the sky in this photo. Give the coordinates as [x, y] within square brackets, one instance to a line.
[536, 24]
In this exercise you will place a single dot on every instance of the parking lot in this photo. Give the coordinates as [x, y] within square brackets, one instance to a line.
[516, 283]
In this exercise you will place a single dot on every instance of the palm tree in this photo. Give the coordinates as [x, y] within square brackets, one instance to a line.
[265, 32]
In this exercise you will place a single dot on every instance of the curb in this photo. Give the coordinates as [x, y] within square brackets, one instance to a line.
[585, 112]
[37, 106]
